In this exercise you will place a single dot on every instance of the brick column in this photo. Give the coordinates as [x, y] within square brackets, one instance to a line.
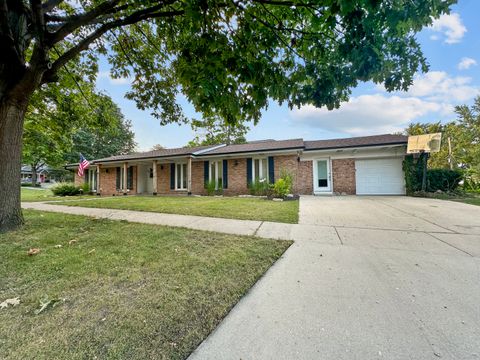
[155, 183]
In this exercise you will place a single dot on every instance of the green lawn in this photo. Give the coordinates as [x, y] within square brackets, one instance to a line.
[125, 290]
[45, 195]
[223, 207]
[467, 198]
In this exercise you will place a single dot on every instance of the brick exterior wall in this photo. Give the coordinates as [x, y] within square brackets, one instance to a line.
[237, 177]
[301, 171]
[343, 171]
[108, 181]
[78, 180]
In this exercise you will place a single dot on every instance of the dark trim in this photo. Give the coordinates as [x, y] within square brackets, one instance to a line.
[354, 146]
[225, 174]
[249, 172]
[206, 170]
[271, 170]
[172, 176]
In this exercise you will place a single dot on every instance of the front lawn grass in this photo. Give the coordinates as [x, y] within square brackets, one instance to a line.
[30, 195]
[125, 290]
[222, 207]
[464, 197]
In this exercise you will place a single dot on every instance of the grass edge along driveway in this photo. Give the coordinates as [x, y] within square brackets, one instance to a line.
[122, 290]
[222, 207]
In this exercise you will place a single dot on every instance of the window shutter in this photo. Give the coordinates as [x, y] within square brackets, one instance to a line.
[249, 171]
[271, 170]
[130, 178]
[225, 174]
[118, 178]
[206, 164]
[172, 176]
[86, 176]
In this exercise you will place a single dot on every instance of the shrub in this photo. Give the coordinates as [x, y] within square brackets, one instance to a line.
[283, 186]
[65, 189]
[443, 179]
[437, 179]
[259, 187]
[210, 187]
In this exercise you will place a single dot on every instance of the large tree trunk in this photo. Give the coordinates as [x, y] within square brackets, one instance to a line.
[34, 175]
[12, 114]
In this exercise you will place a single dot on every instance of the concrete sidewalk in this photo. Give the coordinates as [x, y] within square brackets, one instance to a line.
[229, 226]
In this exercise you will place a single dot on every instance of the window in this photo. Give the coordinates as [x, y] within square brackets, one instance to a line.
[181, 177]
[216, 173]
[120, 180]
[260, 169]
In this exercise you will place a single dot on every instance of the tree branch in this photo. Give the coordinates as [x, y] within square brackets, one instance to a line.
[49, 5]
[70, 54]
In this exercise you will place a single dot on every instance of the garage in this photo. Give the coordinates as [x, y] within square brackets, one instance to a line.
[379, 176]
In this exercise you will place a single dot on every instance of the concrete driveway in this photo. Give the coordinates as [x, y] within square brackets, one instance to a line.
[377, 278]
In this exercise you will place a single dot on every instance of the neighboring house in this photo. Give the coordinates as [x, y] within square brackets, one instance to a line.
[42, 174]
[360, 165]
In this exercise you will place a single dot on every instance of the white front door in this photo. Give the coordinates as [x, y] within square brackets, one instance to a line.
[321, 176]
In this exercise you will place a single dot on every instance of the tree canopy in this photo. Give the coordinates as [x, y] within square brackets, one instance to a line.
[213, 131]
[227, 57]
[464, 134]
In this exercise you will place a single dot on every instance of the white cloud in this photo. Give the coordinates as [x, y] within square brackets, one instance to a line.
[466, 63]
[439, 86]
[451, 26]
[370, 114]
[113, 81]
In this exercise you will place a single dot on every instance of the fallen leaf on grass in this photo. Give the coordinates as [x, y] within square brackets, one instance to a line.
[58, 246]
[46, 304]
[91, 251]
[33, 251]
[71, 242]
[12, 301]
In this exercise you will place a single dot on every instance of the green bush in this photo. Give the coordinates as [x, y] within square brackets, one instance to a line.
[259, 187]
[210, 187]
[283, 186]
[437, 179]
[443, 179]
[85, 188]
[65, 189]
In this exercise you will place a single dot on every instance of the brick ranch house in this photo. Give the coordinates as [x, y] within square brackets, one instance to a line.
[370, 165]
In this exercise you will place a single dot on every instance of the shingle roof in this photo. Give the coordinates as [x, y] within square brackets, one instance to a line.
[258, 146]
[156, 154]
[375, 140]
[263, 146]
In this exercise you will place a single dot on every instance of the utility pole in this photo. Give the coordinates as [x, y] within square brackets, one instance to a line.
[450, 153]
[424, 156]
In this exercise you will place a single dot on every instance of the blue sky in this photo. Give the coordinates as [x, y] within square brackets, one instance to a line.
[452, 48]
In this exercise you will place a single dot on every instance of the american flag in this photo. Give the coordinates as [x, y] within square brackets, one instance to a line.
[82, 165]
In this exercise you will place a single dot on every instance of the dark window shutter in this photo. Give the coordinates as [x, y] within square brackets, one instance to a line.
[118, 178]
[205, 173]
[86, 176]
[271, 170]
[130, 178]
[225, 174]
[249, 171]
[172, 176]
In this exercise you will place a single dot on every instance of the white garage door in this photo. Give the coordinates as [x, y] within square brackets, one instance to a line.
[380, 177]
